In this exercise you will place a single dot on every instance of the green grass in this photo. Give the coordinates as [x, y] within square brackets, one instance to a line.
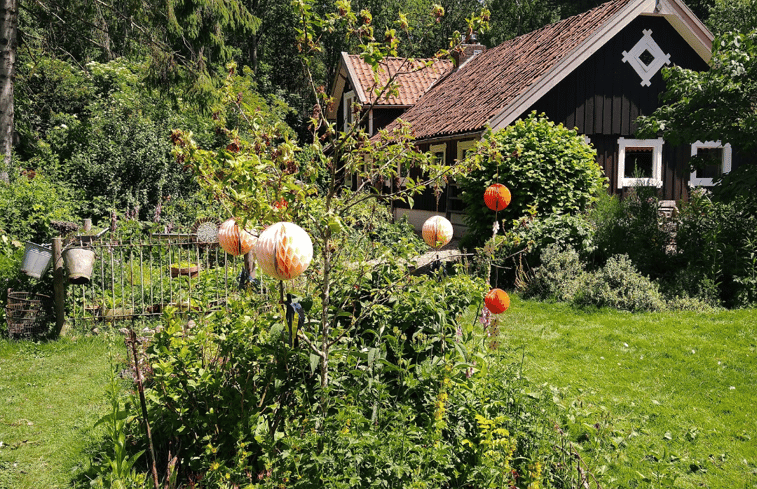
[51, 395]
[673, 395]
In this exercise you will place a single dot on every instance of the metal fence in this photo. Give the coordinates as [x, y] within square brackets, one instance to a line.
[137, 280]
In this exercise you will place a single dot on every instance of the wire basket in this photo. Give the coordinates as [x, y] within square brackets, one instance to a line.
[27, 313]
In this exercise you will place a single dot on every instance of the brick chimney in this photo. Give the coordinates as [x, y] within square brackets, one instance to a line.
[467, 51]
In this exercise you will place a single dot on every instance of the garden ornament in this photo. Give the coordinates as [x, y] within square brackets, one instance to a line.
[233, 240]
[497, 197]
[437, 231]
[284, 250]
[292, 309]
[497, 301]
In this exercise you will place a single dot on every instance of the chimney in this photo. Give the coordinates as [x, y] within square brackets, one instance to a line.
[467, 51]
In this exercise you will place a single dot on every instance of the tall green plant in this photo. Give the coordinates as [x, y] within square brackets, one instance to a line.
[544, 164]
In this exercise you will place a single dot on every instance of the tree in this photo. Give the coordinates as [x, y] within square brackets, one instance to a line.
[8, 26]
[719, 104]
[733, 15]
[512, 19]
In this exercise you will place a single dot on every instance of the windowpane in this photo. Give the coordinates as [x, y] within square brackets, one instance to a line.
[710, 164]
[639, 163]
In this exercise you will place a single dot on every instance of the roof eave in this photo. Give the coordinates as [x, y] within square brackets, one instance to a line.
[688, 26]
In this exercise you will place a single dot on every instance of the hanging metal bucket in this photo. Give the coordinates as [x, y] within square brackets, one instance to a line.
[36, 260]
[79, 263]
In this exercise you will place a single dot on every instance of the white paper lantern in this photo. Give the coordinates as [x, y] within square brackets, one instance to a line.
[437, 231]
[233, 240]
[284, 250]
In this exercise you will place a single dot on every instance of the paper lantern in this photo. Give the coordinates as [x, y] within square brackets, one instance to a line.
[437, 231]
[284, 250]
[497, 301]
[233, 240]
[497, 197]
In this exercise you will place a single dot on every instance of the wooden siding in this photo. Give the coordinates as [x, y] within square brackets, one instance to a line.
[603, 98]
[604, 95]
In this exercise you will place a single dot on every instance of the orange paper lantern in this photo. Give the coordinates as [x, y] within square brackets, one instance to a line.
[233, 240]
[284, 250]
[497, 301]
[497, 197]
[437, 231]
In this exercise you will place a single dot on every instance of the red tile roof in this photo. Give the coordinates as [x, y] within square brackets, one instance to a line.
[467, 99]
[413, 81]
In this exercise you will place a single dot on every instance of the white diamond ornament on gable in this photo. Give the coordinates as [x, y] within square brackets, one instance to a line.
[284, 250]
[634, 57]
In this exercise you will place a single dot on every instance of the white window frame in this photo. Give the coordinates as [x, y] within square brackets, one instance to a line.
[439, 148]
[656, 145]
[694, 181]
[463, 146]
[348, 100]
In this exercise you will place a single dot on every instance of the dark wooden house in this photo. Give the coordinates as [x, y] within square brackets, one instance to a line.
[597, 72]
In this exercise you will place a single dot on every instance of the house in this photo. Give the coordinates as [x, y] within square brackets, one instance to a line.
[597, 72]
[354, 89]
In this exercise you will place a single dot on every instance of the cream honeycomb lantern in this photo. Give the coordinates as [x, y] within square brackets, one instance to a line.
[233, 240]
[437, 231]
[284, 250]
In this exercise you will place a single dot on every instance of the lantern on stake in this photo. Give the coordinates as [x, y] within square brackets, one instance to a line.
[497, 301]
[437, 231]
[233, 240]
[284, 250]
[497, 197]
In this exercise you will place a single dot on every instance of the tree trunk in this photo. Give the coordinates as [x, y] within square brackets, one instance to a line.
[8, 25]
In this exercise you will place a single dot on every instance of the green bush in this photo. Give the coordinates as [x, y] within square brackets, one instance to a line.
[620, 285]
[559, 277]
[31, 204]
[717, 248]
[519, 249]
[632, 226]
[553, 170]
[236, 405]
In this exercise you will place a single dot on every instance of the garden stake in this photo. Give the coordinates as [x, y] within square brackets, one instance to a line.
[143, 403]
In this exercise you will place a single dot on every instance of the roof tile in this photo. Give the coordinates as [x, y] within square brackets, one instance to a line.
[413, 79]
[468, 98]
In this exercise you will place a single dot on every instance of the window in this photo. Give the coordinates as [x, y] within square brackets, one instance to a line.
[716, 159]
[349, 114]
[464, 147]
[439, 151]
[639, 162]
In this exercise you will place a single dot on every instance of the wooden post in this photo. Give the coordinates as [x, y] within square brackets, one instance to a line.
[59, 286]
[249, 263]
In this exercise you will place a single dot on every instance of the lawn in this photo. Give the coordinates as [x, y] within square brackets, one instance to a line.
[51, 395]
[658, 399]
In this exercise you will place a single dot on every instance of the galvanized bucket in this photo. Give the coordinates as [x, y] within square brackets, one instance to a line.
[79, 263]
[36, 260]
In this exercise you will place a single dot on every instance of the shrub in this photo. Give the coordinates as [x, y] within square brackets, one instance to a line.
[236, 405]
[717, 245]
[553, 170]
[519, 249]
[620, 285]
[31, 203]
[559, 277]
[632, 226]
